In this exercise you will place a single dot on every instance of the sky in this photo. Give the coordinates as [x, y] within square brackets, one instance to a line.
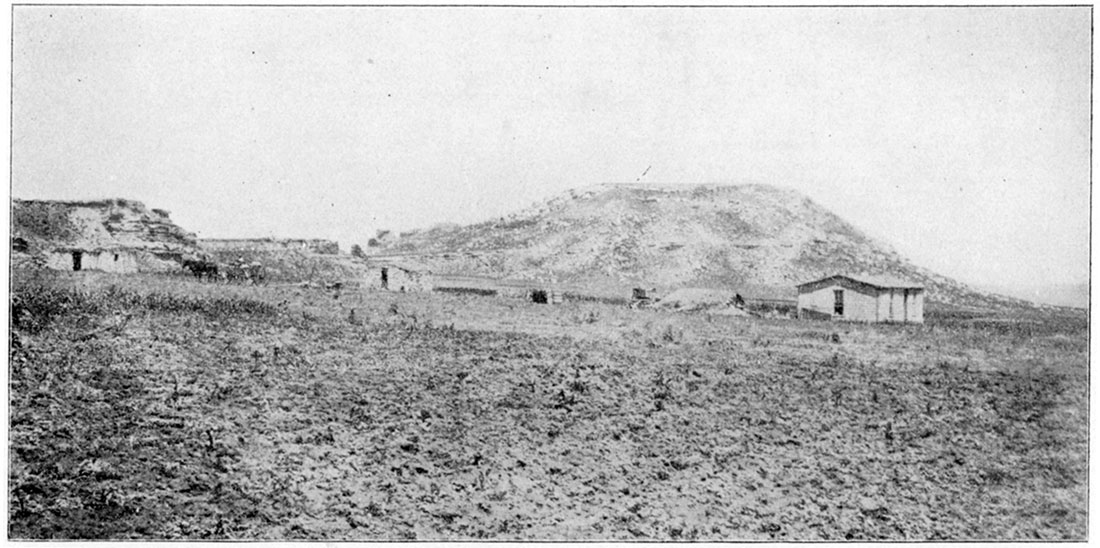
[960, 136]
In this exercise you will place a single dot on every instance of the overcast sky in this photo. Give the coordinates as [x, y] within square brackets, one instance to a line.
[959, 135]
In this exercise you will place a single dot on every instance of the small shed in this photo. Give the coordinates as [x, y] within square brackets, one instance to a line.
[106, 260]
[399, 275]
[861, 299]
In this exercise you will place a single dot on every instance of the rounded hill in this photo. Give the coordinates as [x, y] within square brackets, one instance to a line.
[760, 239]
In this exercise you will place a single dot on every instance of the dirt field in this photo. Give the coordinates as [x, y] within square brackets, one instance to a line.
[147, 407]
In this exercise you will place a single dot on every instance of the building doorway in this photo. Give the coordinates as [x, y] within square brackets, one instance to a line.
[385, 278]
[838, 302]
[78, 257]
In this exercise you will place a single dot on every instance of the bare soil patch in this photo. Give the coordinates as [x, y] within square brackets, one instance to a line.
[147, 407]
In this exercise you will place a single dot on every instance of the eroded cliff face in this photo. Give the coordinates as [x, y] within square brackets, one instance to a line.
[44, 227]
[98, 224]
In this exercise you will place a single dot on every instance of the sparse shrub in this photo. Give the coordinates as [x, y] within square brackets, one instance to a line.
[670, 335]
[379, 237]
[662, 390]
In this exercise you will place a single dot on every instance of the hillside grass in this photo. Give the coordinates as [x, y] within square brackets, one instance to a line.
[155, 407]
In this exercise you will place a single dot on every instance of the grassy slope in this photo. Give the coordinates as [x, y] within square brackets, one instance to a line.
[273, 412]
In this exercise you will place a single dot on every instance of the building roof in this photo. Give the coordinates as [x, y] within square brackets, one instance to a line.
[880, 282]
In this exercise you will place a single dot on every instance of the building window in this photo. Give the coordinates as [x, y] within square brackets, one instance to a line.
[838, 302]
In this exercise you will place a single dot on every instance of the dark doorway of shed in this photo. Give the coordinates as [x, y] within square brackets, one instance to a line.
[838, 302]
[385, 278]
[540, 296]
[78, 256]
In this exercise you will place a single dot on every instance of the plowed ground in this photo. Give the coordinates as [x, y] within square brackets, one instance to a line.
[155, 408]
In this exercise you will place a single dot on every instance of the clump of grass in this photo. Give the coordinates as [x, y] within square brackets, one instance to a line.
[662, 390]
[670, 335]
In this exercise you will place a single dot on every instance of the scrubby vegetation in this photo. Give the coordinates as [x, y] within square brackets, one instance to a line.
[164, 408]
[44, 220]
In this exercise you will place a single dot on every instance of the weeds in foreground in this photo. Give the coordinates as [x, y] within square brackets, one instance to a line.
[34, 307]
[196, 427]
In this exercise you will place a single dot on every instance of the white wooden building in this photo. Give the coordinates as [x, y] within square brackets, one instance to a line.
[861, 299]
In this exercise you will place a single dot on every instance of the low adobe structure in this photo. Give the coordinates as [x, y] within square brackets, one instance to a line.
[398, 275]
[107, 260]
[861, 299]
[112, 235]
